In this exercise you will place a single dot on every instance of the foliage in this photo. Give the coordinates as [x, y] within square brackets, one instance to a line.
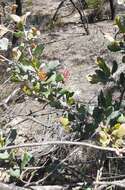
[14, 164]
[41, 80]
[105, 121]
[45, 81]
[112, 131]
[94, 4]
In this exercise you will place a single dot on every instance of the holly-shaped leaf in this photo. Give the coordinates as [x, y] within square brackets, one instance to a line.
[25, 159]
[119, 130]
[114, 46]
[114, 67]
[121, 119]
[104, 138]
[65, 123]
[4, 156]
[120, 22]
[27, 90]
[14, 172]
[102, 65]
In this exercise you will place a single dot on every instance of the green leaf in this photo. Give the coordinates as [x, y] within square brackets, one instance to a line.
[15, 77]
[90, 109]
[64, 121]
[70, 101]
[27, 90]
[98, 114]
[81, 112]
[25, 159]
[37, 87]
[114, 46]
[120, 22]
[121, 119]
[38, 50]
[102, 77]
[59, 78]
[53, 65]
[113, 117]
[104, 138]
[63, 91]
[118, 143]
[81, 109]
[18, 34]
[52, 78]
[119, 130]
[26, 68]
[35, 63]
[93, 79]
[47, 93]
[122, 79]
[102, 65]
[114, 67]
[11, 137]
[108, 98]
[55, 104]
[69, 95]
[101, 100]
[14, 173]
[4, 156]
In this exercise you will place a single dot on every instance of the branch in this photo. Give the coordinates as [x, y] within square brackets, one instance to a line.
[55, 168]
[119, 183]
[63, 143]
[10, 187]
[9, 98]
[82, 17]
[57, 10]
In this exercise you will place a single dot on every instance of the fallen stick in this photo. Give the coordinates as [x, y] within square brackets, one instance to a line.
[119, 183]
[10, 187]
[63, 143]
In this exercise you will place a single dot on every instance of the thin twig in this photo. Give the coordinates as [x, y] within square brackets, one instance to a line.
[28, 183]
[43, 179]
[63, 143]
[11, 96]
[99, 172]
[82, 17]
[57, 10]
[112, 177]
[37, 121]
[119, 183]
